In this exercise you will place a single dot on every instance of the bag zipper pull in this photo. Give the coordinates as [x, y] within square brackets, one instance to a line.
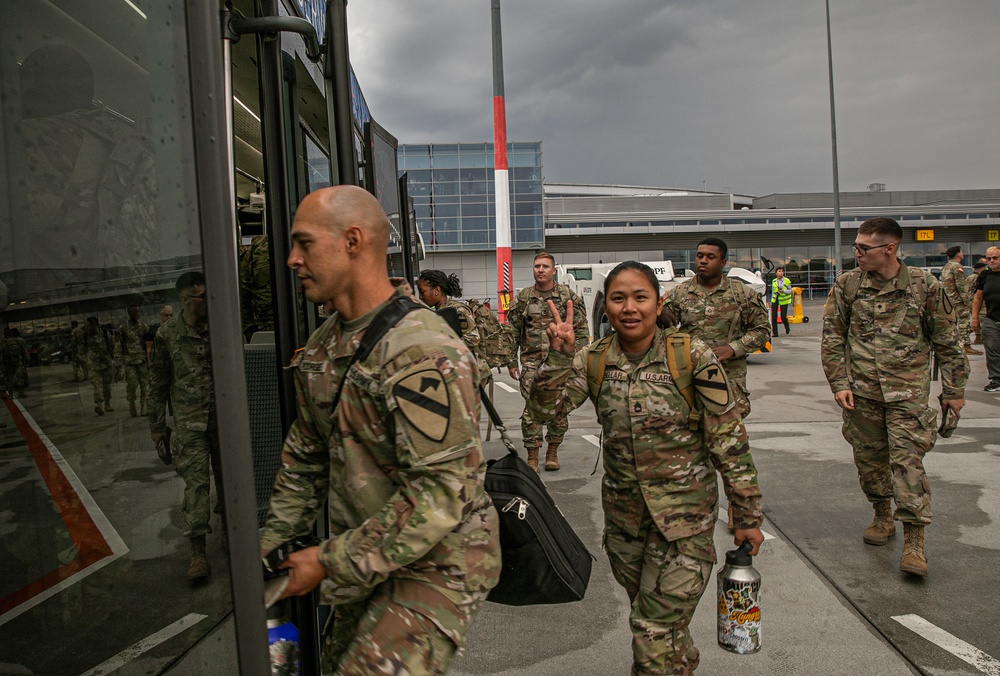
[522, 507]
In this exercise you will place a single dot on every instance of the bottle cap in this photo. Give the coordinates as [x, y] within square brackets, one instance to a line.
[740, 556]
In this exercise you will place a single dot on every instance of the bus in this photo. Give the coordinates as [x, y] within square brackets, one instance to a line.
[142, 140]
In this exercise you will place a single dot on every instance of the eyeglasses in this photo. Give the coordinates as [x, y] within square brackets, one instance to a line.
[992, 258]
[864, 248]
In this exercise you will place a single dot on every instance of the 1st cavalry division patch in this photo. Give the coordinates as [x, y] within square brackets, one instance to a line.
[710, 382]
[423, 399]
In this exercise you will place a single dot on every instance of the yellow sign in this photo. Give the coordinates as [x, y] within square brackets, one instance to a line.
[504, 301]
[925, 235]
[993, 235]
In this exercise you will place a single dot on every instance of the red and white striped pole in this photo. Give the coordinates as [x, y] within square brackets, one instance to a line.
[501, 189]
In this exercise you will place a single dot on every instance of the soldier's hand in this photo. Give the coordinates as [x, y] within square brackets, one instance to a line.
[955, 405]
[514, 373]
[844, 399]
[724, 352]
[157, 437]
[753, 535]
[975, 324]
[305, 572]
[560, 331]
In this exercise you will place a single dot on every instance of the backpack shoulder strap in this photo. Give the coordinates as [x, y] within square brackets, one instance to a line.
[851, 286]
[389, 316]
[597, 360]
[680, 365]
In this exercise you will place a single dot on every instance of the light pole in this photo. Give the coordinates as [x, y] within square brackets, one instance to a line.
[838, 267]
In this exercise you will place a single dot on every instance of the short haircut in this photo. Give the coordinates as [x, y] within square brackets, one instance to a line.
[189, 280]
[953, 251]
[979, 266]
[884, 228]
[780, 267]
[544, 254]
[718, 243]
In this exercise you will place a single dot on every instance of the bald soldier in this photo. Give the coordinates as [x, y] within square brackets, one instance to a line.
[414, 546]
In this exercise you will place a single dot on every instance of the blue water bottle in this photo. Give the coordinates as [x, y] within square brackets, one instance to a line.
[283, 641]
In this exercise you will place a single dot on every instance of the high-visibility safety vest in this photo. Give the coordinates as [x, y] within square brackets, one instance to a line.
[782, 293]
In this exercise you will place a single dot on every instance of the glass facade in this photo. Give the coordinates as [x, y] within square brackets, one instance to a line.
[454, 196]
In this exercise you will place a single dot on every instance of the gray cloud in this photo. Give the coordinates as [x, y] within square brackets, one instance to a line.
[687, 93]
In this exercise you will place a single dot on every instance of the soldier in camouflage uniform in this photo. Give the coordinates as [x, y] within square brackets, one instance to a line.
[970, 291]
[99, 351]
[78, 352]
[881, 323]
[436, 290]
[181, 370]
[414, 546]
[14, 361]
[527, 321]
[659, 488]
[255, 286]
[133, 346]
[728, 315]
[954, 284]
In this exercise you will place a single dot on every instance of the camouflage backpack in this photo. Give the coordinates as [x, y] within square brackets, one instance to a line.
[496, 345]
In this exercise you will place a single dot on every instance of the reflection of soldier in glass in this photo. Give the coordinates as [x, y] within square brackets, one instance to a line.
[132, 335]
[78, 351]
[99, 353]
[181, 370]
[88, 175]
[255, 286]
[14, 360]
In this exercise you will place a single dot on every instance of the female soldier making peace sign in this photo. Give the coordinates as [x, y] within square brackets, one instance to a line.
[659, 485]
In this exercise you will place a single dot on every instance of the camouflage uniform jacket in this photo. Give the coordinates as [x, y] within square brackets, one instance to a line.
[133, 339]
[953, 282]
[181, 369]
[880, 346]
[99, 351]
[14, 360]
[651, 458]
[470, 332]
[79, 346]
[970, 288]
[530, 316]
[731, 314]
[399, 464]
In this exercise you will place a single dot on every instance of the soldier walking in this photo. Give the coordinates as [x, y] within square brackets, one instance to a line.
[954, 284]
[78, 352]
[527, 321]
[663, 450]
[414, 545]
[133, 345]
[727, 315]
[881, 323]
[99, 349]
[181, 371]
[14, 361]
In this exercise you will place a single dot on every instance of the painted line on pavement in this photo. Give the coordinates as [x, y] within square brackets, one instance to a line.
[592, 439]
[145, 645]
[956, 646]
[504, 386]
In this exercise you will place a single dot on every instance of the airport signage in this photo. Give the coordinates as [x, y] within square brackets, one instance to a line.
[925, 235]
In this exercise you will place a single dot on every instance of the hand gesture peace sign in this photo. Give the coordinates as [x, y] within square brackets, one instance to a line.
[560, 331]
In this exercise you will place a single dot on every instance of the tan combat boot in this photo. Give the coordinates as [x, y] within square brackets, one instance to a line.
[551, 460]
[913, 560]
[107, 405]
[533, 458]
[882, 527]
[199, 561]
[971, 350]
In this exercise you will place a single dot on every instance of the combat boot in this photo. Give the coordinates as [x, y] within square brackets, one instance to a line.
[882, 527]
[913, 560]
[971, 350]
[199, 561]
[132, 410]
[551, 459]
[107, 406]
[98, 409]
[533, 458]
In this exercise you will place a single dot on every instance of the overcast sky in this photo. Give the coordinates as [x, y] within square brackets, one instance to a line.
[717, 94]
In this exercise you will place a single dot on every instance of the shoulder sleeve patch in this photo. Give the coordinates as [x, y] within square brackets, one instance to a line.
[711, 385]
[424, 401]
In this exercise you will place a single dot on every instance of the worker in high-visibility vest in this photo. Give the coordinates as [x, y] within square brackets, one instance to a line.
[781, 299]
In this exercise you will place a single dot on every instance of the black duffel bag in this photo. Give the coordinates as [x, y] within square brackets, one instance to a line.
[543, 559]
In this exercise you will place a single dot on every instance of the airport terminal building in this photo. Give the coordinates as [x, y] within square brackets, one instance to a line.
[605, 223]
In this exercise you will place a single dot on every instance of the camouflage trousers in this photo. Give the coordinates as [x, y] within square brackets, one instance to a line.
[80, 370]
[101, 380]
[736, 374]
[531, 430]
[664, 581]
[964, 315]
[194, 453]
[136, 376]
[382, 634]
[890, 440]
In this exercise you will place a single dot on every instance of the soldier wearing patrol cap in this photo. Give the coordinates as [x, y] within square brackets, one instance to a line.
[663, 445]
[414, 545]
[881, 323]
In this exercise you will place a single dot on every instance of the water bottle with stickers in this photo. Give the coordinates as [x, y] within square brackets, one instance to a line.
[739, 602]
